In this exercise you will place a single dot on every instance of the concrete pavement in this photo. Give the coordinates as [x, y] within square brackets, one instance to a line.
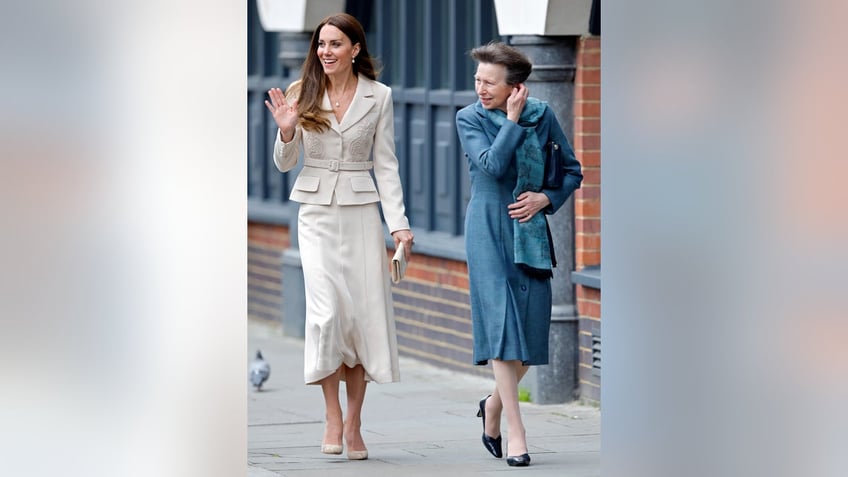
[422, 426]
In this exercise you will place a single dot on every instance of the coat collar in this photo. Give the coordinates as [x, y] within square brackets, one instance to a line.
[484, 118]
[479, 109]
[362, 102]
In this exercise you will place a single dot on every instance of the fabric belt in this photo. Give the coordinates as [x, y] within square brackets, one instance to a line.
[335, 165]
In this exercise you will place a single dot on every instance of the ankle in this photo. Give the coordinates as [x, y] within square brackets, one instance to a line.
[493, 421]
[353, 439]
[352, 424]
[517, 446]
[352, 434]
[333, 427]
[333, 432]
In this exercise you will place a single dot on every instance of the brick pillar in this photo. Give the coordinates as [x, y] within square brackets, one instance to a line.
[587, 209]
[587, 148]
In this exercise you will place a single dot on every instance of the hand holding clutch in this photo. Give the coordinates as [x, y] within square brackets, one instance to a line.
[399, 263]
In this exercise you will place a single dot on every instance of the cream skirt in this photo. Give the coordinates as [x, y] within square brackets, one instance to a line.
[349, 314]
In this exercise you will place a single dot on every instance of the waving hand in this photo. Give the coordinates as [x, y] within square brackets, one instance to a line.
[285, 114]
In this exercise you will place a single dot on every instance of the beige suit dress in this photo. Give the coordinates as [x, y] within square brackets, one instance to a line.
[349, 310]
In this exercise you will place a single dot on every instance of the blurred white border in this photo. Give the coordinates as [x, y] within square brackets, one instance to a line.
[123, 348]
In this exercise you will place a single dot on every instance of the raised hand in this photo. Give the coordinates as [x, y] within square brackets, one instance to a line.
[515, 102]
[285, 114]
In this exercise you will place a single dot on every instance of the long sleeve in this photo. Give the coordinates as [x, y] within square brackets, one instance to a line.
[573, 175]
[285, 153]
[491, 157]
[386, 168]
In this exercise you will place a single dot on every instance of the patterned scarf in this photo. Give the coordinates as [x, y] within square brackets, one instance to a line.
[532, 243]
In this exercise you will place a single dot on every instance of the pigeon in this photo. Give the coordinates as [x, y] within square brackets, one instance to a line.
[259, 371]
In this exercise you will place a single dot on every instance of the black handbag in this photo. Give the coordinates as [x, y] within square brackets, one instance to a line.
[554, 166]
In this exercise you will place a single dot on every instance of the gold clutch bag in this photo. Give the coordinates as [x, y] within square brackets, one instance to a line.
[399, 264]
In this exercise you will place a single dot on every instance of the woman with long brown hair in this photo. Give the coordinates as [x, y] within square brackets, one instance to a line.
[339, 114]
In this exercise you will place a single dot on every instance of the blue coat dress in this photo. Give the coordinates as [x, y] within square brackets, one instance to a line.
[510, 310]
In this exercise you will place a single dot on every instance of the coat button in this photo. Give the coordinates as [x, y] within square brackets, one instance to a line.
[523, 287]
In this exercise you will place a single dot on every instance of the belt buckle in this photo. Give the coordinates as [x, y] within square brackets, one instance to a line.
[334, 165]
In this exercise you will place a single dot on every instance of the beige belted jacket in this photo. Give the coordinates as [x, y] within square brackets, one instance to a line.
[337, 160]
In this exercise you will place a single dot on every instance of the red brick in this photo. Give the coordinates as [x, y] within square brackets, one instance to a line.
[427, 261]
[589, 158]
[276, 237]
[591, 175]
[455, 281]
[587, 209]
[587, 241]
[588, 308]
[587, 76]
[584, 225]
[586, 92]
[588, 258]
[589, 58]
[588, 192]
[590, 43]
[587, 125]
[422, 273]
[584, 142]
[587, 109]
[455, 266]
[588, 293]
[437, 263]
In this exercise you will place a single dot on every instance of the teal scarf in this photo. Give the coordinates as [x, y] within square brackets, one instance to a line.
[532, 243]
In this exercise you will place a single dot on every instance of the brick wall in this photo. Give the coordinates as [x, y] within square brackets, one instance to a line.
[432, 309]
[265, 245]
[433, 314]
[587, 207]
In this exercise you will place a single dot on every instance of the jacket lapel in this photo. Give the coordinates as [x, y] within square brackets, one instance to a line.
[487, 123]
[326, 106]
[363, 101]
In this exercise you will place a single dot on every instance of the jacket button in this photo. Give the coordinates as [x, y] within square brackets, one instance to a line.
[523, 287]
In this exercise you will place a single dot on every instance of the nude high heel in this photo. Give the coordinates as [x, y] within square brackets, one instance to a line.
[357, 455]
[332, 448]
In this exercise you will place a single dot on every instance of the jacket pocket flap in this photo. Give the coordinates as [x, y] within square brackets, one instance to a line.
[307, 183]
[362, 184]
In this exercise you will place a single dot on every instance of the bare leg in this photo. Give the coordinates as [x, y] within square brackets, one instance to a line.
[355, 384]
[494, 405]
[507, 375]
[334, 428]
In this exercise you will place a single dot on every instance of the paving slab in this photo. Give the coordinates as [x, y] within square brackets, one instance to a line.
[424, 425]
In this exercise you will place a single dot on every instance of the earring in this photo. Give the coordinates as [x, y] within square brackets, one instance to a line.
[353, 60]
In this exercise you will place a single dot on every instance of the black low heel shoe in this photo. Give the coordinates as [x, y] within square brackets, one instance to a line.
[522, 460]
[492, 444]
